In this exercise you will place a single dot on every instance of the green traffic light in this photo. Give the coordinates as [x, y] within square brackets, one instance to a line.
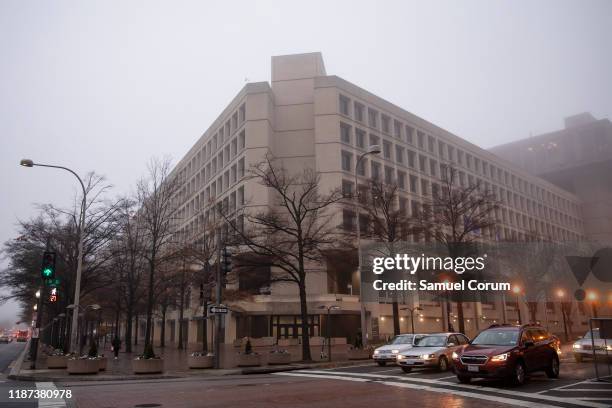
[47, 272]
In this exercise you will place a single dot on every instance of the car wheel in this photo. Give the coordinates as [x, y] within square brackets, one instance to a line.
[553, 370]
[381, 363]
[578, 358]
[464, 379]
[443, 364]
[406, 369]
[519, 374]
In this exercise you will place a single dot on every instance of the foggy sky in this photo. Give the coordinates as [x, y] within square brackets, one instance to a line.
[103, 85]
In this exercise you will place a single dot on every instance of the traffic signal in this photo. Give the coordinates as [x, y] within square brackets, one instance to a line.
[48, 265]
[226, 262]
[53, 297]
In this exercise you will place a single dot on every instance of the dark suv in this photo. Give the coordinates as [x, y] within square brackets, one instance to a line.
[508, 352]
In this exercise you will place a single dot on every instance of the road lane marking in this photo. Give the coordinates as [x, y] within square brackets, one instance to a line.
[504, 400]
[534, 395]
[49, 402]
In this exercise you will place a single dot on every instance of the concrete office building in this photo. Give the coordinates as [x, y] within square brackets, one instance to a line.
[309, 119]
[578, 159]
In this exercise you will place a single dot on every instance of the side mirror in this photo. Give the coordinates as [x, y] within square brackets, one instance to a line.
[529, 343]
[451, 345]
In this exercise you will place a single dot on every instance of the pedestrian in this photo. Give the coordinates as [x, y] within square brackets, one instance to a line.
[116, 346]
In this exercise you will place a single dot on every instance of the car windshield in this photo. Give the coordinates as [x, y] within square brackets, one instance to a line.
[595, 335]
[432, 341]
[497, 338]
[402, 340]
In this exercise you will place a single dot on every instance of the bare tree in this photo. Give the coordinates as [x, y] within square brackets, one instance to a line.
[156, 198]
[456, 215]
[291, 235]
[387, 221]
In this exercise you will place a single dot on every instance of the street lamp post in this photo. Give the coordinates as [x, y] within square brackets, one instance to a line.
[561, 294]
[77, 287]
[374, 149]
[329, 309]
[412, 310]
[517, 292]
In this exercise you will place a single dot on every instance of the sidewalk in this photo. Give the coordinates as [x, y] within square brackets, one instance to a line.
[175, 366]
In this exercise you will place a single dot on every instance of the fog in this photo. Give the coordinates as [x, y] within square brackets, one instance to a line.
[104, 85]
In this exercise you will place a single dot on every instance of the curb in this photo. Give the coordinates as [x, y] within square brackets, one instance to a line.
[17, 363]
[188, 374]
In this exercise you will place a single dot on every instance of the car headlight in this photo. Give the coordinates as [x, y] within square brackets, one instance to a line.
[500, 357]
[427, 356]
[395, 351]
[577, 346]
[399, 357]
[455, 356]
[376, 352]
[609, 347]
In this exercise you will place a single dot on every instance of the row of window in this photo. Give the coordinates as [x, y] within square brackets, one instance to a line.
[410, 182]
[427, 143]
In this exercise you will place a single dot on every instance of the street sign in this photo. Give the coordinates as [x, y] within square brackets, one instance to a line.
[217, 309]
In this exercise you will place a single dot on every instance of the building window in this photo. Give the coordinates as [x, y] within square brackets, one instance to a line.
[388, 175]
[387, 150]
[344, 105]
[413, 183]
[409, 133]
[401, 180]
[433, 166]
[241, 113]
[422, 163]
[348, 220]
[346, 161]
[375, 171]
[347, 188]
[399, 154]
[421, 140]
[241, 140]
[241, 168]
[359, 111]
[372, 118]
[431, 143]
[360, 138]
[345, 133]
[424, 187]
[411, 159]
[361, 167]
[397, 129]
[386, 124]
[374, 140]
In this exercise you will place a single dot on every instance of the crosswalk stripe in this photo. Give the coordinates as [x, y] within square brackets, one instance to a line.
[519, 403]
[472, 387]
[49, 402]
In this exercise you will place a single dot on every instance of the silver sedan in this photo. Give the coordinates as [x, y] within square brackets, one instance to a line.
[432, 351]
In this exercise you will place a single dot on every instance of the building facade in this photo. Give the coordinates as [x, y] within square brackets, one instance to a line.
[308, 119]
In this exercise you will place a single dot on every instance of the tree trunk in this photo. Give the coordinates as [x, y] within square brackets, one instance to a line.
[396, 319]
[116, 328]
[460, 317]
[305, 326]
[162, 335]
[181, 309]
[150, 300]
[128, 330]
[136, 330]
[205, 327]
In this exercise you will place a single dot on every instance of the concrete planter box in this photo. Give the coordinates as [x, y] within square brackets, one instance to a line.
[57, 361]
[103, 362]
[288, 342]
[200, 361]
[148, 366]
[83, 366]
[358, 354]
[279, 358]
[249, 360]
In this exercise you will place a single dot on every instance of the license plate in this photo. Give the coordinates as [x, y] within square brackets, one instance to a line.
[473, 368]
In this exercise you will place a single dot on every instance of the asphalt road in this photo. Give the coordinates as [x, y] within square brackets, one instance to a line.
[366, 386]
[8, 353]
